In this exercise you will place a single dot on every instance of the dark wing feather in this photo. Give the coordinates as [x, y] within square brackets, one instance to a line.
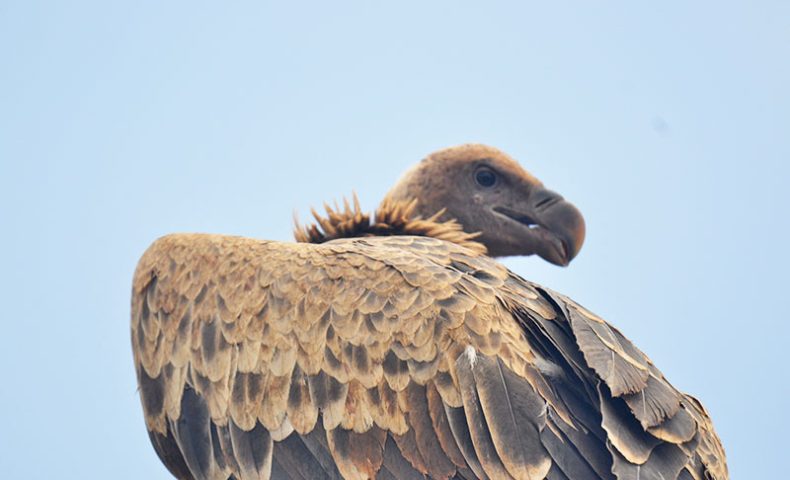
[170, 454]
[399, 357]
[652, 429]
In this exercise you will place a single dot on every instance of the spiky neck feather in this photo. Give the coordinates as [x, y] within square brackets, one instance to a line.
[391, 218]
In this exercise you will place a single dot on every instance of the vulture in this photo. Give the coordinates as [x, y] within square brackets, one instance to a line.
[393, 346]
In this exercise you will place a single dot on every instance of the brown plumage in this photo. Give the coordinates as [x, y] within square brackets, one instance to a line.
[394, 348]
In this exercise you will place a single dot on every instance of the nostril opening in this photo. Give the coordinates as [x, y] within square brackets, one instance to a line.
[549, 200]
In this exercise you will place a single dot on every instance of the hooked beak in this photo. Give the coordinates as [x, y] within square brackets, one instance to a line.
[555, 223]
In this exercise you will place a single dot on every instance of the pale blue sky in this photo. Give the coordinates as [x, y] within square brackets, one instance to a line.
[667, 123]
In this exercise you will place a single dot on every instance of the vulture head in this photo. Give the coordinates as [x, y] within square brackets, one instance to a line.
[487, 191]
[472, 194]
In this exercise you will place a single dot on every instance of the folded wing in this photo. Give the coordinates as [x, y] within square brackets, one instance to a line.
[398, 357]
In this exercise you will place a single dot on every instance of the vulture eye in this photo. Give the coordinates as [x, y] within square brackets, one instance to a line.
[485, 177]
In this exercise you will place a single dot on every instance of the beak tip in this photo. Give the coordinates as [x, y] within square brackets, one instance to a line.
[570, 231]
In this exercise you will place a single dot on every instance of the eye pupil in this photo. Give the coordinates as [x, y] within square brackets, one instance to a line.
[485, 178]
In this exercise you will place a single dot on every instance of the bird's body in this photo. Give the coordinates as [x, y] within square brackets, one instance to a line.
[393, 357]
